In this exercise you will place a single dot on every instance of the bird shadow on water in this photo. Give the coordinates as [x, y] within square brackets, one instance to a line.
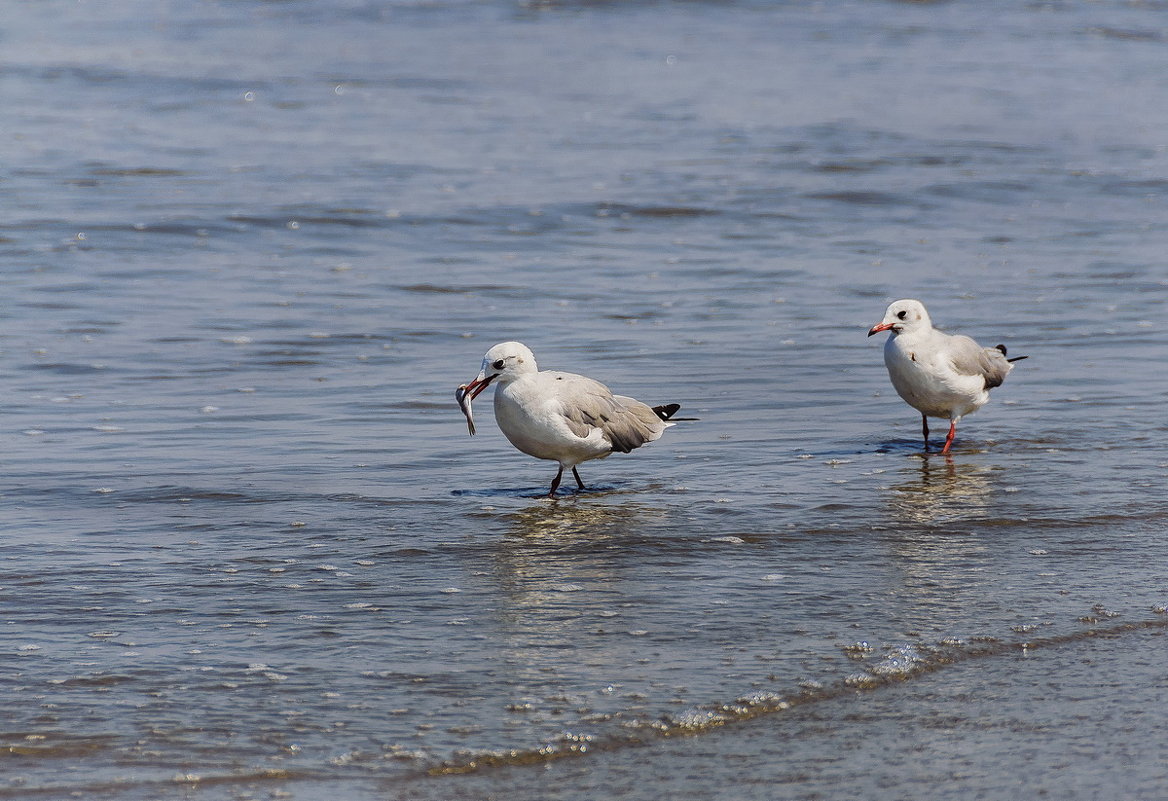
[593, 490]
[898, 446]
[914, 447]
[501, 492]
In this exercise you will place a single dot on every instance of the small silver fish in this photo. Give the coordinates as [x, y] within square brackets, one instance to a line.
[464, 404]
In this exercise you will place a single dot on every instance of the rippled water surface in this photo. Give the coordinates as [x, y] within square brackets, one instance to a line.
[249, 551]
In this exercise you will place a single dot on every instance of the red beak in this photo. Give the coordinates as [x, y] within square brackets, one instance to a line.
[475, 388]
[876, 329]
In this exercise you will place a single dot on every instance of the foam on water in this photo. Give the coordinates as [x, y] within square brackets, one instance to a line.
[901, 662]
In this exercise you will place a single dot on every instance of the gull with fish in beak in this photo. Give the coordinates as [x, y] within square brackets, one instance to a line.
[562, 417]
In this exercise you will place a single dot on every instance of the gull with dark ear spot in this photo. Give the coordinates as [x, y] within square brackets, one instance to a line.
[563, 417]
[938, 374]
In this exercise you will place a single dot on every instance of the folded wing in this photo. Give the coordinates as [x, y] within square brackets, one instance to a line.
[970, 358]
[624, 422]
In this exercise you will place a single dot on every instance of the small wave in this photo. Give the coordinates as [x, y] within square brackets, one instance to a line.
[669, 211]
[188, 781]
[863, 198]
[1152, 187]
[981, 191]
[898, 663]
[54, 745]
[173, 493]
[93, 680]
[68, 368]
[438, 289]
[129, 172]
[1127, 34]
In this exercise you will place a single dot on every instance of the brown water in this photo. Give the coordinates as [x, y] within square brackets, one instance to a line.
[249, 551]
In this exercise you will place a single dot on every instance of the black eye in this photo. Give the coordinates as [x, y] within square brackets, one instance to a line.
[902, 314]
[498, 364]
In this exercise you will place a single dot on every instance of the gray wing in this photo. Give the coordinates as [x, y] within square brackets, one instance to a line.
[970, 358]
[626, 423]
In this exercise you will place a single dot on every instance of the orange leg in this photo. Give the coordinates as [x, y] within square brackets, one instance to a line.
[952, 433]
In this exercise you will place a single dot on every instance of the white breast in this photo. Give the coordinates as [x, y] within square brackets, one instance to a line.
[529, 413]
[922, 373]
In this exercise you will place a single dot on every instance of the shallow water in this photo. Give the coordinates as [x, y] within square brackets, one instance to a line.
[251, 248]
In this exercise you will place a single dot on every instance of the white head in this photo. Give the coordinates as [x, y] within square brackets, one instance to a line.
[904, 317]
[505, 362]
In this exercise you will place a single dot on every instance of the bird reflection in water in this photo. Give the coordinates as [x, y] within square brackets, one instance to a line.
[939, 538]
[571, 524]
[941, 491]
[588, 545]
[566, 573]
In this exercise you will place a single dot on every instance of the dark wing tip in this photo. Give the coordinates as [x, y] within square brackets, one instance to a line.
[1002, 348]
[665, 411]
